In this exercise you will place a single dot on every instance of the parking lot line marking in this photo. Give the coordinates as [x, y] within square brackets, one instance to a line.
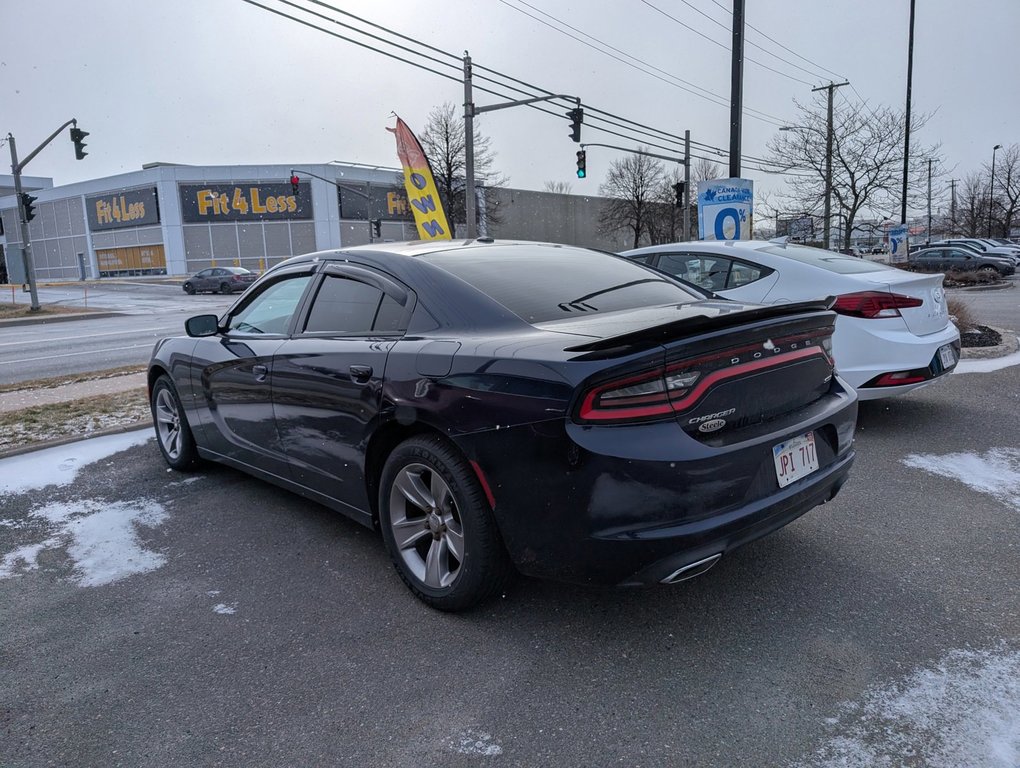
[132, 332]
[72, 354]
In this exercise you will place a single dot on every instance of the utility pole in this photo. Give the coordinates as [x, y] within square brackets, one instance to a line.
[469, 152]
[736, 87]
[991, 187]
[928, 240]
[16, 167]
[906, 125]
[827, 213]
[687, 186]
[952, 204]
[470, 110]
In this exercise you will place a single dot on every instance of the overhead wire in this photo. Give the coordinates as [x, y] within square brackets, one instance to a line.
[789, 50]
[761, 48]
[723, 46]
[630, 136]
[703, 93]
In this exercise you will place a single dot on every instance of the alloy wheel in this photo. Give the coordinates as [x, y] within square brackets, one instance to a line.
[168, 423]
[426, 525]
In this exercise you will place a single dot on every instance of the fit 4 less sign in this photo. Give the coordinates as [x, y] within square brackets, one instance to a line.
[253, 201]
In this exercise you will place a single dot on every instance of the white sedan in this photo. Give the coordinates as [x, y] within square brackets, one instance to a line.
[893, 332]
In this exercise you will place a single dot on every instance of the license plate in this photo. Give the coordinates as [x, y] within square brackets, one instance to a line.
[947, 355]
[796, 458]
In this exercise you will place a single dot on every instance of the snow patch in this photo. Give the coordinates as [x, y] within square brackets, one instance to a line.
[60, 465]
[963, 710]
[225, 609]
[989, 365]
[475, 743]
[101, 539]
[996, 472]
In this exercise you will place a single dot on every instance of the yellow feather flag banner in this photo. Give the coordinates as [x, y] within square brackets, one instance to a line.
[421, 187]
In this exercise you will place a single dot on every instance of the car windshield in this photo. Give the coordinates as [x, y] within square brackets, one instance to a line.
[833, 262]
[539, 285]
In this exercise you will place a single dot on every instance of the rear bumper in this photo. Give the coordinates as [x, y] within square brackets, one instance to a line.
[695, 542]
[864, 354]
[630, 505]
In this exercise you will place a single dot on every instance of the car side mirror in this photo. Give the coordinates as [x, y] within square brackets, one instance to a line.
[202, 325]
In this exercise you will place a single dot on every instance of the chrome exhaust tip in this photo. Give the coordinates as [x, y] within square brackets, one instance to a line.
[692, 569]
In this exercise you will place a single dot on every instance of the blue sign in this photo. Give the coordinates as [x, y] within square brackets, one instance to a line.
[899, 244]
[725, 209]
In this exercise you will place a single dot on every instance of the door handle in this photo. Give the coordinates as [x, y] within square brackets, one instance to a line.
[259, 372]
[360, 374]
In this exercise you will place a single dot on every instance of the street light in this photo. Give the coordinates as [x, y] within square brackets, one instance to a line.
[991, 185]
[827, 212]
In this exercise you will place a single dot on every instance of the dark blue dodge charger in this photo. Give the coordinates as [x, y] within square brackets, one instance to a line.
[494, 407]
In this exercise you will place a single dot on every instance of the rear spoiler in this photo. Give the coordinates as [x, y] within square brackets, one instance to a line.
[658, 334]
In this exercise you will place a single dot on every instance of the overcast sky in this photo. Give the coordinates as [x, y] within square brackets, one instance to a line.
[223, 82]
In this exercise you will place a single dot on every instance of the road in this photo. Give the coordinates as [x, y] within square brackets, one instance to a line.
[153, 311]
[149, 618]
[148, 312]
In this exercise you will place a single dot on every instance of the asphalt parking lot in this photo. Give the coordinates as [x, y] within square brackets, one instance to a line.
[155, 619]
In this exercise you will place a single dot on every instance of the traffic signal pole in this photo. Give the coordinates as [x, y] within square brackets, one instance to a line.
[26, 244]
[470, 110]
[687, 186]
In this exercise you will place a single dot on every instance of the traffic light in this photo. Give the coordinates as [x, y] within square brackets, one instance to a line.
[294, 181]
[27, 201]
[78, 137]
[679, 189]
[582, 159]
[376, 227]
[576, 118]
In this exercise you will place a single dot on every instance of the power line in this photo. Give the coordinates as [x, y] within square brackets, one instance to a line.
[347, 39]
[789, 50]
[627, 136]
[721, 45]
[703, 93]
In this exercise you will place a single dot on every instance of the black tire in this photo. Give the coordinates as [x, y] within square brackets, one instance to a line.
[990, 270]
[173, 433]
[189, 289]
[484, 568]
[224, 288]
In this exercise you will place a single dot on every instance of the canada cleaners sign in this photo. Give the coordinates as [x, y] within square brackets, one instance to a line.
[725, 209]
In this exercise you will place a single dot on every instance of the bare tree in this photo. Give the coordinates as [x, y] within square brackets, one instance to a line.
[632, 185]
[444, 143]
[702, 169]
[867, 161]
[971, 205]
[1005, 200]
[559, 187]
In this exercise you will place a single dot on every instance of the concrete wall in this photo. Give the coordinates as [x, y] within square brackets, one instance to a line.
[553, 218]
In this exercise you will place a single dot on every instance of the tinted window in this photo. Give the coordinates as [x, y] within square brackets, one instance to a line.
[816, 257]
[545, 284]
[343, 305]
[271, 310]
[742, 274]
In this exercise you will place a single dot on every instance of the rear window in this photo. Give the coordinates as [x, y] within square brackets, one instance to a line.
[543, 284]
[817, 257]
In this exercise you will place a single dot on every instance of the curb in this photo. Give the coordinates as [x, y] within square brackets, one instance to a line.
[63, 318]
[1010, 344]
[56, 443]
[1005, 285]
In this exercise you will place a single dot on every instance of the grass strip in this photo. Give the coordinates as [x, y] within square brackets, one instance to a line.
[71, 378]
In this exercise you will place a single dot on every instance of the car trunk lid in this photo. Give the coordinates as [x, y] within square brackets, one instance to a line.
[933, 314]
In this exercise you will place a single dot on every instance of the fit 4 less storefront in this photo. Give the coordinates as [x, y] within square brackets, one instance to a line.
[176, 220]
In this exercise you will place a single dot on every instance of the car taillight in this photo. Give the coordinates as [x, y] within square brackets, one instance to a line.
[673, 389]
[637, 397]
[874, 304]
